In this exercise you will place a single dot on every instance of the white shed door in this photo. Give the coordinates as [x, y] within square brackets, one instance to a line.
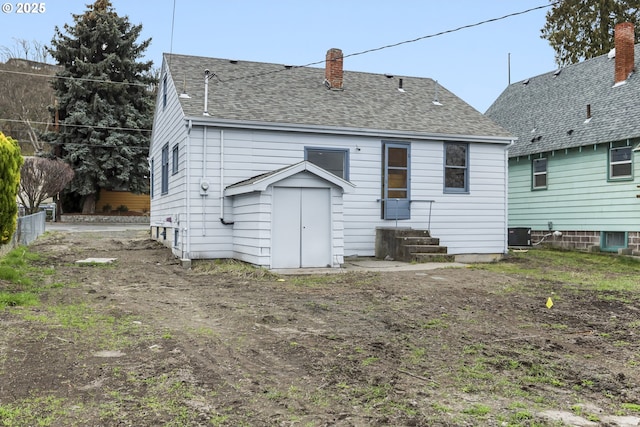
[301, 227]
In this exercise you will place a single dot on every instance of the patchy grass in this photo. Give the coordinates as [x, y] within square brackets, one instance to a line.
[595, 271]
[232, 268]
[19, 284]
[230, 344]
[106, 331]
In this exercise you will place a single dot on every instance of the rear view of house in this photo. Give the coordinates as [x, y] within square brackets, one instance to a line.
[284, 166]
[574, 168]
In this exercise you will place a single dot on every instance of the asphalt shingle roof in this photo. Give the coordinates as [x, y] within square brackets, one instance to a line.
[272, 93]
[548, 112]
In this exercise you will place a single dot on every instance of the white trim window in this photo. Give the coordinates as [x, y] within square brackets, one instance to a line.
[620, 164]
[540, 173]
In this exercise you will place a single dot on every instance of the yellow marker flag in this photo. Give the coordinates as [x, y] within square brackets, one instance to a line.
[549, 303]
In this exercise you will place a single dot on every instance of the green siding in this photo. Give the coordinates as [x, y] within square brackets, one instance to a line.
[578, 195]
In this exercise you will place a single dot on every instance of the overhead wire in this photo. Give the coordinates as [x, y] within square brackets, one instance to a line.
[81, 79]
[364, 52]
[376, 49]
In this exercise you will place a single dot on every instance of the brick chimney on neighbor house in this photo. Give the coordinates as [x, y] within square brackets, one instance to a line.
[333, 69]
[624, 44]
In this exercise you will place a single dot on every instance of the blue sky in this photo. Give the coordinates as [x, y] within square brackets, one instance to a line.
[472, 63]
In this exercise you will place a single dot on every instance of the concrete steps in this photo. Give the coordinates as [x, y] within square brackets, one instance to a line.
[410, 245]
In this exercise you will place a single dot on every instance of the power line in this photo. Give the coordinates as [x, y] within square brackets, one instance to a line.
[441, 33]
[83, 79]
[74, 125]
[364, 52]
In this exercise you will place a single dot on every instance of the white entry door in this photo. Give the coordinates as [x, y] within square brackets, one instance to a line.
[301, 227]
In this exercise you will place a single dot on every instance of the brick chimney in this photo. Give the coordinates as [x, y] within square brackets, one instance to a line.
[333, 70]
[624, 40]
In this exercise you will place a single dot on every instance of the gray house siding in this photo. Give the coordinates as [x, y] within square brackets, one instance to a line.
[166, 132]
[250, 152]
[252, 228]
[248, 134]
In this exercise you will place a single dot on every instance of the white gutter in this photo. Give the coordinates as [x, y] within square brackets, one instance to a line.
[379, 133]
[222, 220]
[203, 181]
[222, 175]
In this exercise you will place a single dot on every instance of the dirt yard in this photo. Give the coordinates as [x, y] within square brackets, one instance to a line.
[145, 342]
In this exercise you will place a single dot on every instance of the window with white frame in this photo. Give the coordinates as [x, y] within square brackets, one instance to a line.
[540, 173]
[620, 163]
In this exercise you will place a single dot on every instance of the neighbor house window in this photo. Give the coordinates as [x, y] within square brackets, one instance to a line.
[396, 180]
[165, 170]
[334, 160]
[456, 167]
[620, 165]
[611, 241]
[174, 160]
[540, 173]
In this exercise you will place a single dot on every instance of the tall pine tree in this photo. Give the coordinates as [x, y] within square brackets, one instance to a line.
[105, 105]
[583, 29]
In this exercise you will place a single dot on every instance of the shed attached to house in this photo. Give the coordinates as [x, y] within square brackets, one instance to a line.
[289, 218]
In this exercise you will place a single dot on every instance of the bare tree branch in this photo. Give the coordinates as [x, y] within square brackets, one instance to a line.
[40, 179]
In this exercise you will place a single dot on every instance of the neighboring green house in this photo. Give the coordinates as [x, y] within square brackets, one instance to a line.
[575, 166]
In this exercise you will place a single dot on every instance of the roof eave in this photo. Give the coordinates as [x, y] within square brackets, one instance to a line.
[334, 130]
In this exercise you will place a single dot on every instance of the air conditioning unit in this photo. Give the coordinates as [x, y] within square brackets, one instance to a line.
[519, 236]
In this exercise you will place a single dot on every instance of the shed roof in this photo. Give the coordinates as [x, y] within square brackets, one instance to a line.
[274, 93]
[549, 112]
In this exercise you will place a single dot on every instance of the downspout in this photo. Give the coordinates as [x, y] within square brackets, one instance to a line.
[188, 188]
[506, 195]
[222, 180]
[204, 184]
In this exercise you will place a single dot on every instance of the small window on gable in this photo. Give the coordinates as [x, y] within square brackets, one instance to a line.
[611, 241]
[456, 167]
[620, 163]
[164, 91]
[164, 184]
[174, 160]
[334, 160]
[540, 174]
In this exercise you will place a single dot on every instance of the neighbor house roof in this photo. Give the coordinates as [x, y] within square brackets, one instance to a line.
[550, 111]
[245, 91]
